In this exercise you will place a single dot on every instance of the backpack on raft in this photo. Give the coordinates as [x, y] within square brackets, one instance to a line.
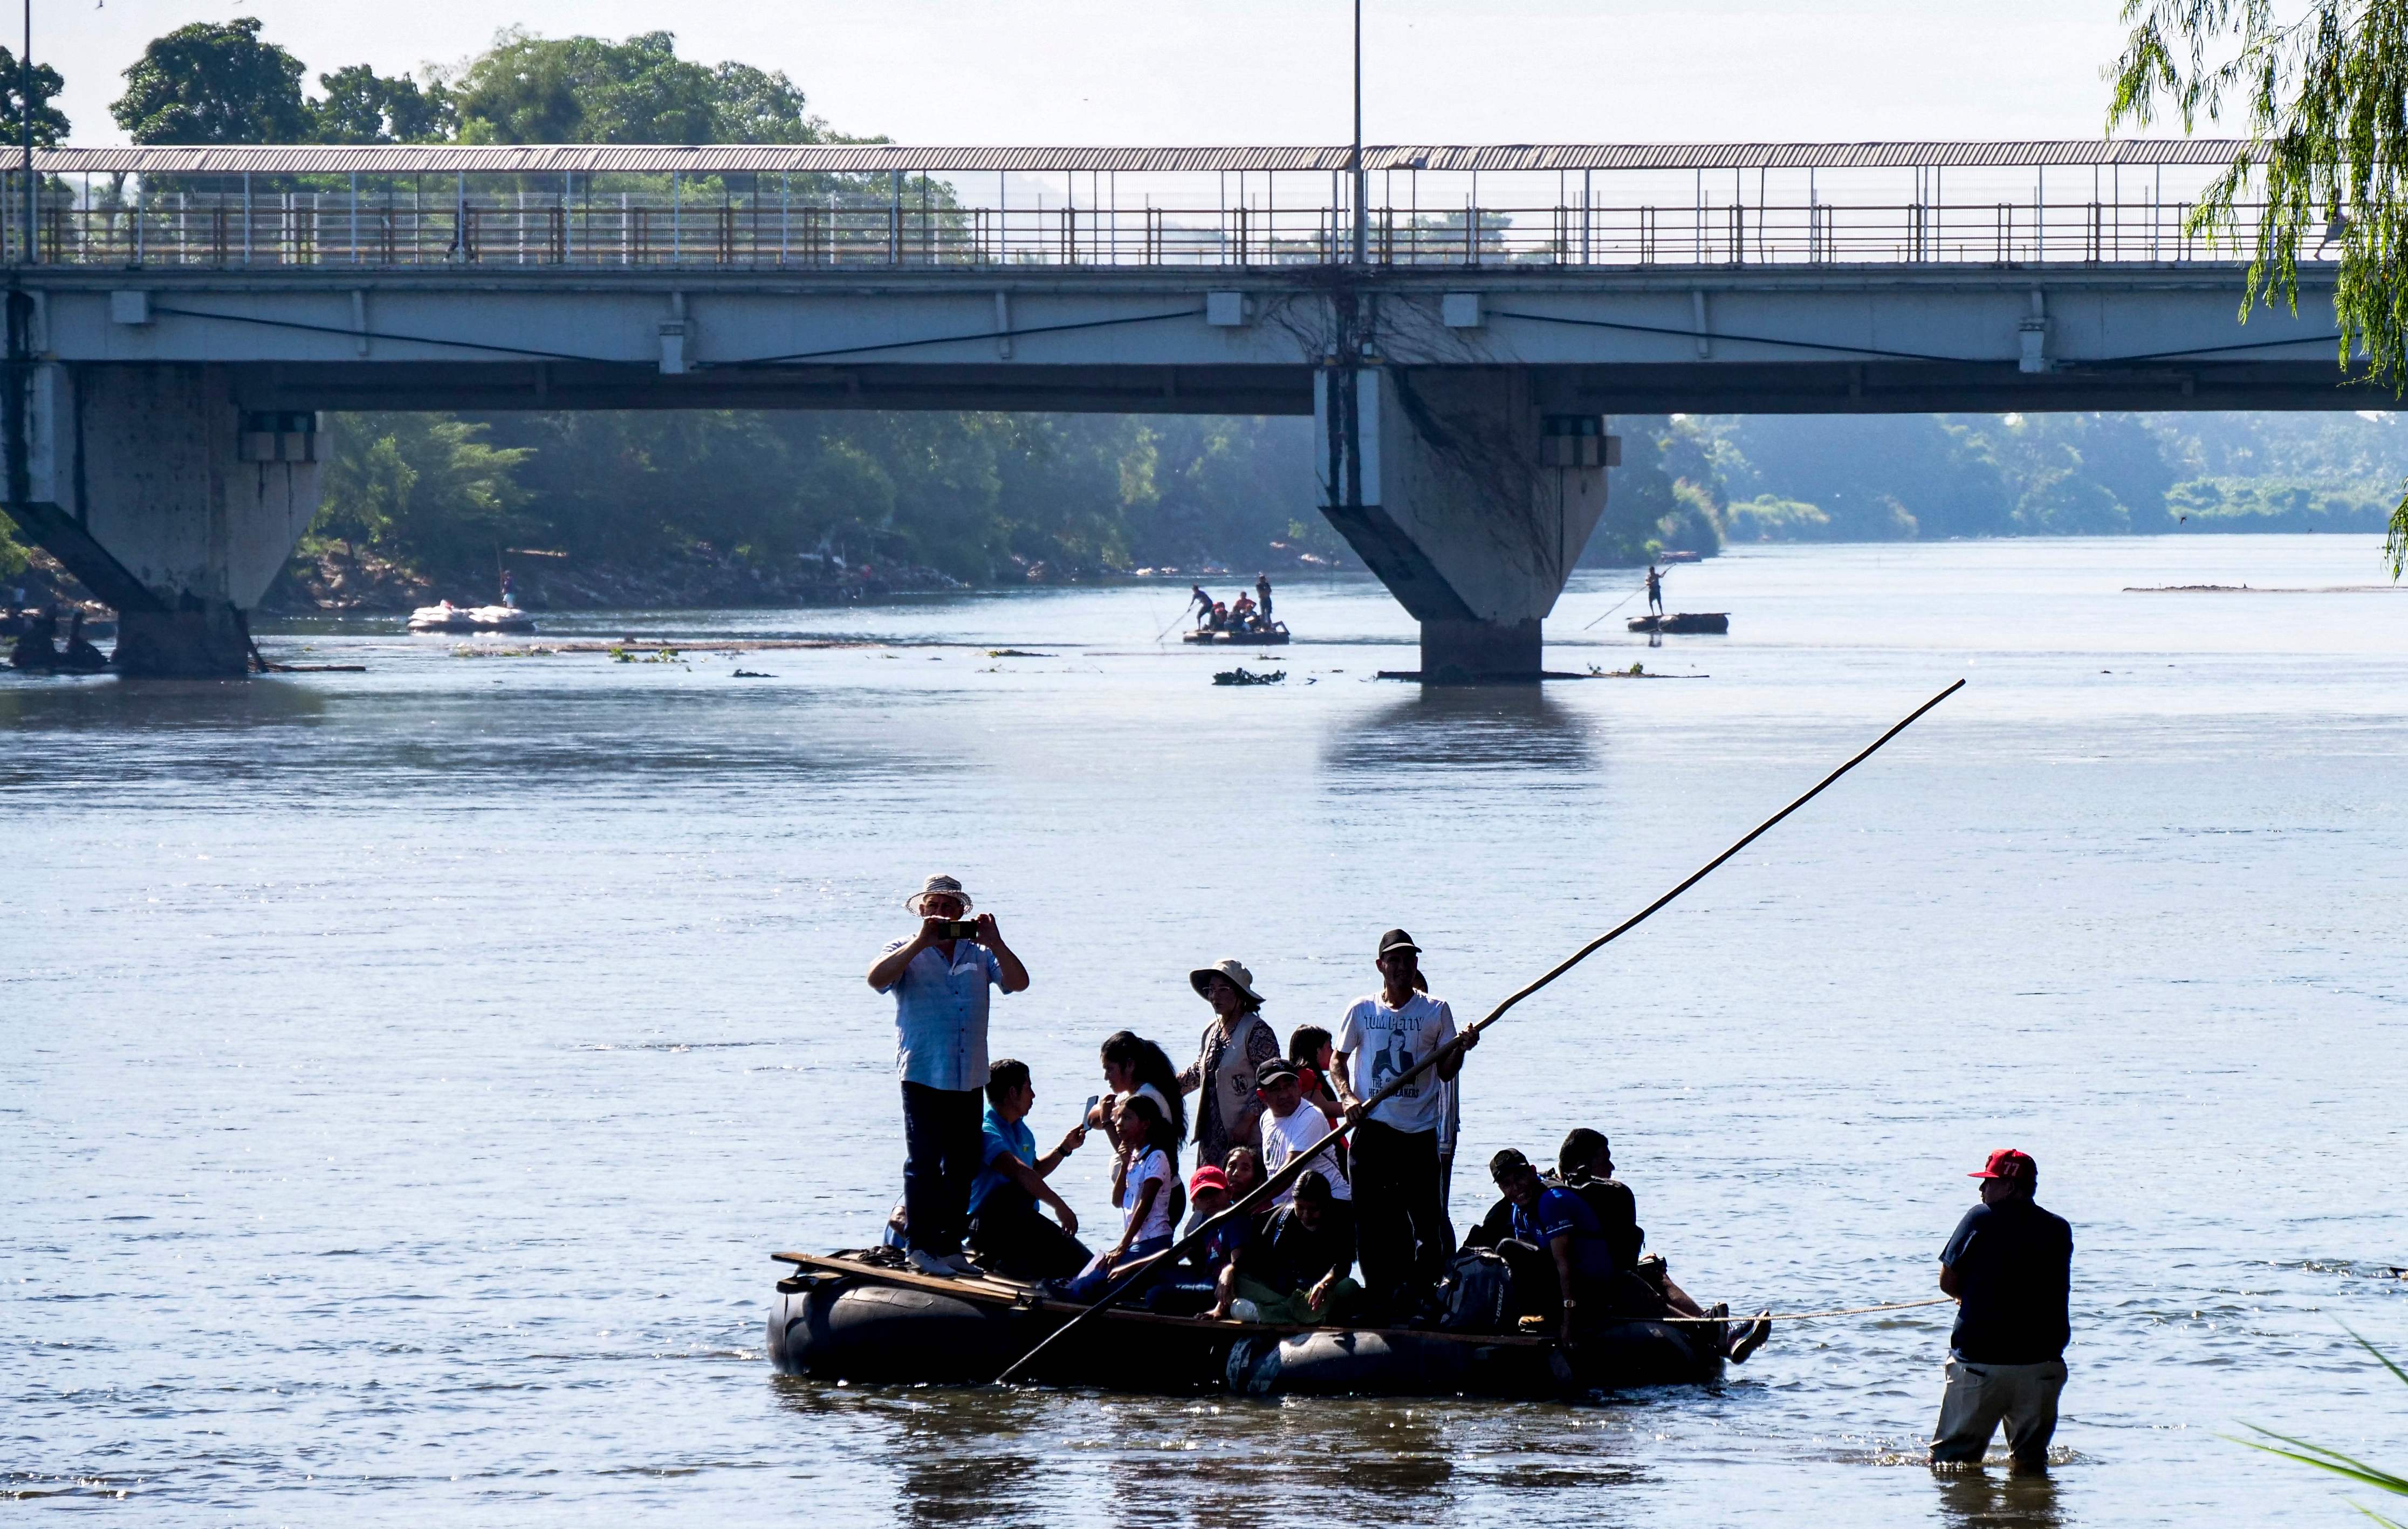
[1476, 1295]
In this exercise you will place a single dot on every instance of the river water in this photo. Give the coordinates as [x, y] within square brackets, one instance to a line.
[406, 1075]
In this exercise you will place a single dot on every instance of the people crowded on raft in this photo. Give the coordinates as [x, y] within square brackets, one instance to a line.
[1570, 1242]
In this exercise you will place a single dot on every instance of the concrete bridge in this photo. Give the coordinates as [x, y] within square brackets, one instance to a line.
[1459, 320]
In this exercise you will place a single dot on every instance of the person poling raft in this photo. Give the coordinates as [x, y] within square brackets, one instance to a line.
[1247, 622]
[1601, 1326]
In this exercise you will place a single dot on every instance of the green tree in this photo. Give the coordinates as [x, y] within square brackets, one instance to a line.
[526, 88]
[49, 122]
[2320, 89]
[424, 489]
[755, 105]
[213, 83]
[361, 106]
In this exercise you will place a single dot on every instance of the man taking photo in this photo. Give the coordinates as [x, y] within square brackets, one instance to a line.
[939, 978]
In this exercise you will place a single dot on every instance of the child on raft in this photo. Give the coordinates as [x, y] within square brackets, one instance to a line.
[1143, 1180]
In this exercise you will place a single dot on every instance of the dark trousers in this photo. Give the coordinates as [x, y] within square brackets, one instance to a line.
[1015, 1239]
[1401, 1234]
[941, 1131]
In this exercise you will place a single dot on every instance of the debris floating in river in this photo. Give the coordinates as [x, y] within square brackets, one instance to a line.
[1243, 676]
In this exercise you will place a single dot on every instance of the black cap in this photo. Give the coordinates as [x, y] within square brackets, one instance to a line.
[1505, 1162]
[1396, 939]
[1271, 1071]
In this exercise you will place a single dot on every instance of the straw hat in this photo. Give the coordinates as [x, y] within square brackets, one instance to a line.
[1235, 970]
[937, 886]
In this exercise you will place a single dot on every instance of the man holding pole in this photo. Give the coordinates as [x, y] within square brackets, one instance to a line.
[1403, 1235]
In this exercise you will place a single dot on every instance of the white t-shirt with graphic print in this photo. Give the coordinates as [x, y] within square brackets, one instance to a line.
[1379, 1042]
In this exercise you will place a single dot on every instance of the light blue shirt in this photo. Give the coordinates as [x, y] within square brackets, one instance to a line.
[1001, 1141]
[940, 1015]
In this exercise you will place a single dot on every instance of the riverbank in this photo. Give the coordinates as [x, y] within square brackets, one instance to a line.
[336, 580]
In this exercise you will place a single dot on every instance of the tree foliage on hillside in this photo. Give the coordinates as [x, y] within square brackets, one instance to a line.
[1939, 476]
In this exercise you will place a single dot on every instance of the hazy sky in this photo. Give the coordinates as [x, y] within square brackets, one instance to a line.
[1257, 71]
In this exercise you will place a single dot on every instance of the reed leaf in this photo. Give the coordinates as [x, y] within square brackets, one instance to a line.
[2325, 1459]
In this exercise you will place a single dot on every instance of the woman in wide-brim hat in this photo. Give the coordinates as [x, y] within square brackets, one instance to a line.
[1224, 1074]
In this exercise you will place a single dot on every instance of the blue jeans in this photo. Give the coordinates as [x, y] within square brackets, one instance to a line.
[942, 1131]
[1092, 1279]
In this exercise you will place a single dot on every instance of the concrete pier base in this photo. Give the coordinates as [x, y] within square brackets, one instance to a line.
[1469, 497]
[210, 643]
[154, 486]
[1474, 652]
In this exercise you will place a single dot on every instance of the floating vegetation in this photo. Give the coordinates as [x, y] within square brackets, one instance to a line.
[751, 674]
[1636, 671]
[657, 655]
[1243, 676]
[1013, 652]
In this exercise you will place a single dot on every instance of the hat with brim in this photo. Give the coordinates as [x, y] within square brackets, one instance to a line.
[1241, 978]
[937, 886]
[1395, 941]
[1273, 1071]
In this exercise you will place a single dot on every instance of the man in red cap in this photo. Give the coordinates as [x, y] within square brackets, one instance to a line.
[2010, 1265]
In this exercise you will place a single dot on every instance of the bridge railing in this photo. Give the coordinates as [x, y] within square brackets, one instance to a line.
[330, 230]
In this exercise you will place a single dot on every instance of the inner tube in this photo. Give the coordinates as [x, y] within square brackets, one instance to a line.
[840, 1329]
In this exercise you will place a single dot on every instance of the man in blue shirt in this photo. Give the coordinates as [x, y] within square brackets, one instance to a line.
[1010, 1237]
[2011, 1267]
[1560, 1225]
[941, 982]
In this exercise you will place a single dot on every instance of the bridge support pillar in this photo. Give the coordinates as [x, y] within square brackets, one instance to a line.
[151, 486]
[1469, 496]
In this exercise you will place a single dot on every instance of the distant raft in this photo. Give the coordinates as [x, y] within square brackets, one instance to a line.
[447, 616]
[850, 1318]
[1272, 637]
[1684, 621]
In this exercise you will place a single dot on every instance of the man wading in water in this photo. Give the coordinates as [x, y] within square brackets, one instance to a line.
[2010, 1265]
[939, 978]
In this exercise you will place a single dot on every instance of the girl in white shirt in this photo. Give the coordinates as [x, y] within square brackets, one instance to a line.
[1141, 1187]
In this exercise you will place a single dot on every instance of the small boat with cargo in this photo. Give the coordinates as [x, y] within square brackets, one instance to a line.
[447, 616]
[858, 1317]
[1684, 622]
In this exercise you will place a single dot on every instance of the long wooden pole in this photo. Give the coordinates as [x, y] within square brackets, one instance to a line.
[1298, 1164]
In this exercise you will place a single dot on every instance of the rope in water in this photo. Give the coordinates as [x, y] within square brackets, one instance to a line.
[1813, 1315]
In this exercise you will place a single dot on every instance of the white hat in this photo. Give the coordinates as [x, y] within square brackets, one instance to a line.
[937, 886]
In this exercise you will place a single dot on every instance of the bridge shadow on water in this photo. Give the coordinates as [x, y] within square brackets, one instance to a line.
[1437, 731]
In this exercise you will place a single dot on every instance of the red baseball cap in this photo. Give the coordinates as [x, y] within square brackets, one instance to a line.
[2006, 1163]
[1208, 1176]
